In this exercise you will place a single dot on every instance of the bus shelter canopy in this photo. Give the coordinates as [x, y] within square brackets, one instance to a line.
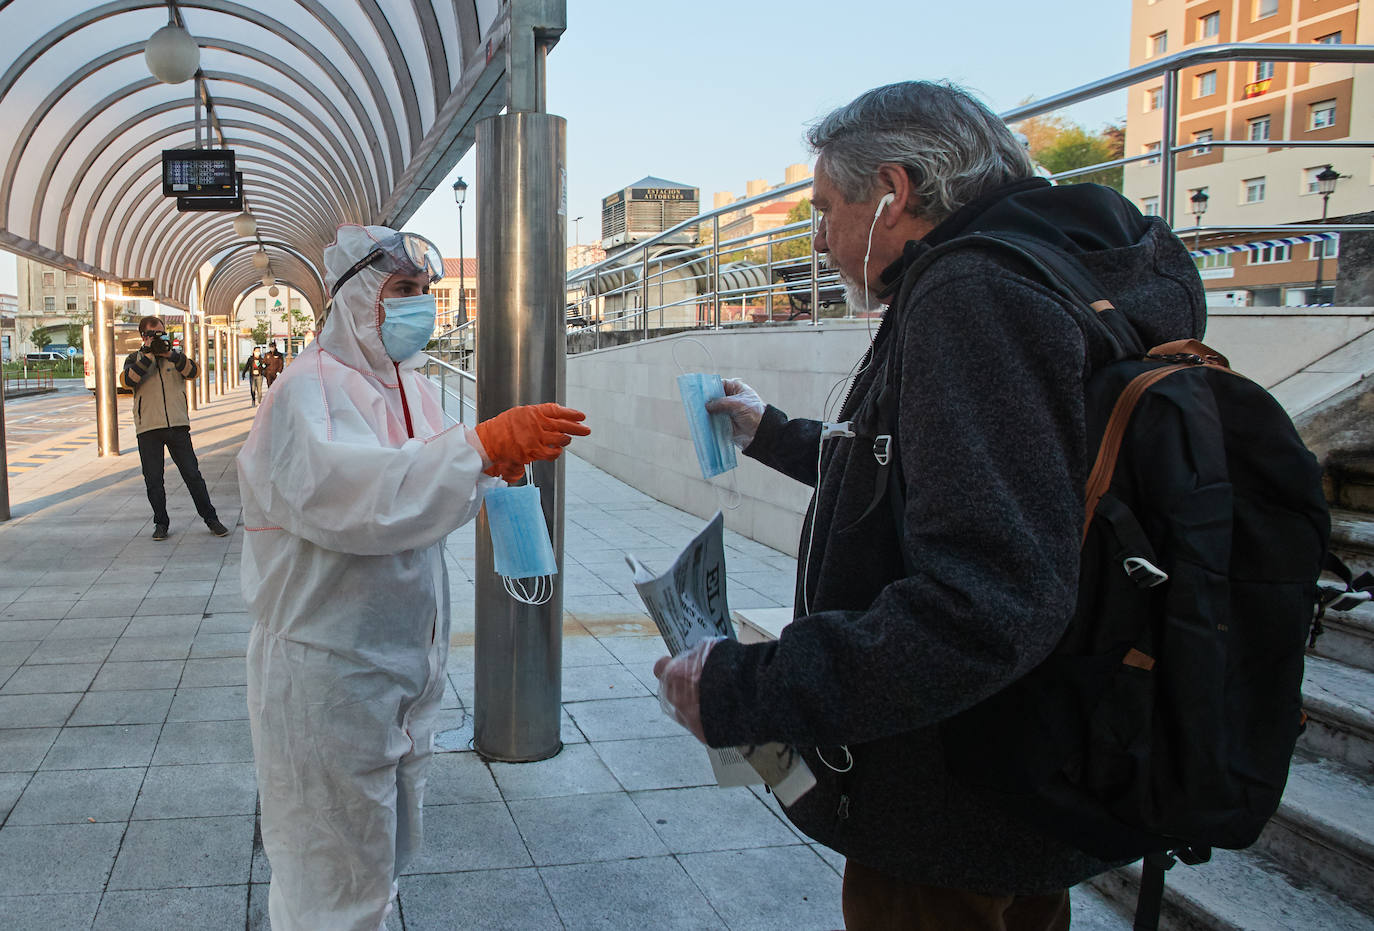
[338, 111]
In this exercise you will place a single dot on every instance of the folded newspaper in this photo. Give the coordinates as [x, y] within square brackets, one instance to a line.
[688, 604]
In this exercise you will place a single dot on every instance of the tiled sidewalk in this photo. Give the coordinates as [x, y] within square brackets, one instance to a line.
[127, 794]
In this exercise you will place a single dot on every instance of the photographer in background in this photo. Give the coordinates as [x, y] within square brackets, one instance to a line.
[157, 375]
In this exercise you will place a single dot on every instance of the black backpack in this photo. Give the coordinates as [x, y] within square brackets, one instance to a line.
[1163, 723]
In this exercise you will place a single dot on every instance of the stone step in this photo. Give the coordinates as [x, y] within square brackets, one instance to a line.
[1348, 637]
[1351, 483]
[1237, 891]
[1352, 532]
[1339, 701]
[1324, 829]
[1093, 911]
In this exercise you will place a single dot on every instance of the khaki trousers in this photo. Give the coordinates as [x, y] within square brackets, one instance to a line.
[875, 902]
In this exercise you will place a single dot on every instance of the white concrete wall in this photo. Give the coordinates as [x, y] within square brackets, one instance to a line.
[1270, 344]
[640, 431]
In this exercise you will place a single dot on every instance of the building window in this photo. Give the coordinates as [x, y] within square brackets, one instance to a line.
[1159, 43]
[1206, 84]
[1330, 39]
[1152, 149]
[260, 307]
[49, 279]
[71, 303]
[1264, 8]
[49, 303]
[1149, 206]
[296, 304]
[1209, 26]
[1264, 70]
[1270, 255]
[72, 279]
[1254, 190]
[1259, 129]
[1218, 260]
[1323, 115]
[1327, 248]
[1152, 98]
[1203, 135]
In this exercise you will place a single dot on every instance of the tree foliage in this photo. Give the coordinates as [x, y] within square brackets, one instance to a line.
[1059, 144]
[796, 248]
[261, 333]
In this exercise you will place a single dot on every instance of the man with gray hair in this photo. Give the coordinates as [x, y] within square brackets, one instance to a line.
[939, 558]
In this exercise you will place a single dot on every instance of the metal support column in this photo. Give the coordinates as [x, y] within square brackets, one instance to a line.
[188, 346]
[222, 360]
[203, 357]
[520, 360]
[4, 460]
[1168, 139]
[106, 413]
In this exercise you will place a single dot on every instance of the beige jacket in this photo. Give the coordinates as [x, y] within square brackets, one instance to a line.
[159, 387]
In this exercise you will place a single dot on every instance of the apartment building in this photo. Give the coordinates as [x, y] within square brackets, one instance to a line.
[1256, 101]
[447, 294]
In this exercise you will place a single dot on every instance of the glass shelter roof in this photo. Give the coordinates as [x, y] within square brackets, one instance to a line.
[338, 111]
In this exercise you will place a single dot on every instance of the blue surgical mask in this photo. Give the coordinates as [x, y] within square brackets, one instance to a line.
[520, 543]
[711, 433]
[409, 325]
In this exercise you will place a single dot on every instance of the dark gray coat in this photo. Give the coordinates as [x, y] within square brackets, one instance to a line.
[992, 442]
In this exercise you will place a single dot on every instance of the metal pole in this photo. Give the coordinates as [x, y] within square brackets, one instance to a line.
[644, 293]
[222, 362]
[462, 274]
[188, 346]
[815, 274]
[521, 235]
[203, 357]
[715, 272]
[4, 455]
[106, 414]
[1168, 139]
[1321, 254]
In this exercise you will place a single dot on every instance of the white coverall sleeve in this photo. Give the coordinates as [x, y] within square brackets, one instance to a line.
[328, 479]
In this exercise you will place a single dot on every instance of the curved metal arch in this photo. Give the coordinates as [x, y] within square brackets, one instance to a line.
[365, 166]
[152, 194]
[49, 103]
[241, 281]
[199, 240]
[205, 243]
[340, 35]
[405, 78]
[247, 14]
[430, 30]
[328, 157]
[275, 244]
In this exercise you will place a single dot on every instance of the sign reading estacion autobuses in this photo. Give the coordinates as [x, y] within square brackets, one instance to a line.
[663, 193]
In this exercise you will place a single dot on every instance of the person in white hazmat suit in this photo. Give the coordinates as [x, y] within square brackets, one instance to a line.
[350, 480]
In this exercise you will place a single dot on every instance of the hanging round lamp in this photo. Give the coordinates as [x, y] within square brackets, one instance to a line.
[172, 55]
[245, 225]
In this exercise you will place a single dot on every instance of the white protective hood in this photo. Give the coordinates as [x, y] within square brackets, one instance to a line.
[343, 571]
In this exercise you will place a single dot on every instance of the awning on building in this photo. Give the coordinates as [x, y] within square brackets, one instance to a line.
[1263, 244]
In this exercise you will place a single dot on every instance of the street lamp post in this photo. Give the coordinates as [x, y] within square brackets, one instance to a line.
[1326, 186]
[577, 242]
[1199, 202]
[460, 194]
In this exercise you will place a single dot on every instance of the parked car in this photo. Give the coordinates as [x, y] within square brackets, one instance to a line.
[45, 357]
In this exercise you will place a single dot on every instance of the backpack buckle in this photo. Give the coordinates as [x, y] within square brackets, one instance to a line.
[1143, 572]
[882, 448]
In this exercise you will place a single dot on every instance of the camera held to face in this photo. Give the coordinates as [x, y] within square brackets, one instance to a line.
[159, 344]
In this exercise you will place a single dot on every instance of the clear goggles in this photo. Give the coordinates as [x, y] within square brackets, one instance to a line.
[404, 253]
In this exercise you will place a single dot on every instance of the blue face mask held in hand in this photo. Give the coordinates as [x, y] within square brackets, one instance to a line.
[711, 433]
[409, 325]
[521, 549]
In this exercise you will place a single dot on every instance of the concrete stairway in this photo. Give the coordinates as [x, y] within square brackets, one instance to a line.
[1313, 867]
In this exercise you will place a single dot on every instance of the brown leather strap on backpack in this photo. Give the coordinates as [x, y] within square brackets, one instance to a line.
[1101, 476]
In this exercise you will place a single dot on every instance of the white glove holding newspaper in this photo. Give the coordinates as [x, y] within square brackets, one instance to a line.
[688, 604]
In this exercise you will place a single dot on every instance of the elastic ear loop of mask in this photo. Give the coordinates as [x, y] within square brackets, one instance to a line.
[536, 590]
[728, 496]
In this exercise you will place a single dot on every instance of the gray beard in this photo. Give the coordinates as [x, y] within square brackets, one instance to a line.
[854, 295]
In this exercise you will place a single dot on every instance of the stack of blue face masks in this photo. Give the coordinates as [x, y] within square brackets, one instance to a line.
[520, 543]
[711, 433]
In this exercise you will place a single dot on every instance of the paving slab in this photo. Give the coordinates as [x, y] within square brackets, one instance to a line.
[652, 892]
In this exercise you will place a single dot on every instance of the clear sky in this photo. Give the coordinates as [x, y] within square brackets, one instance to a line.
[716, 92]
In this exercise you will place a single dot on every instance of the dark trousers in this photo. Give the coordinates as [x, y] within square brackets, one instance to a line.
[177, 441]
[874, 901]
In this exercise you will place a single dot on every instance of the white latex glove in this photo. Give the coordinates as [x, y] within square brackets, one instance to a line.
[745, 408]
[679, 685]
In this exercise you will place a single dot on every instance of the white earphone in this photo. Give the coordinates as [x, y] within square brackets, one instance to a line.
[888, 198]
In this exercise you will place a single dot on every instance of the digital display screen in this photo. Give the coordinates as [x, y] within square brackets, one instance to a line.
[193, 172]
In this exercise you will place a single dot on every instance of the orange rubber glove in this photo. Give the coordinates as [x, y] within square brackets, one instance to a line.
[526, 434]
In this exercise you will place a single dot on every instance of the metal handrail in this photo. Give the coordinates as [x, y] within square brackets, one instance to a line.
[639, 272]
[464, 379]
